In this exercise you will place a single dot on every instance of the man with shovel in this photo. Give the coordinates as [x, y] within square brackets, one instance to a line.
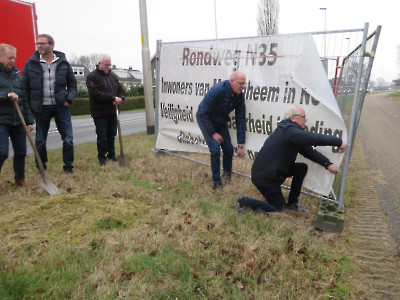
[12, 90]
[105, 94]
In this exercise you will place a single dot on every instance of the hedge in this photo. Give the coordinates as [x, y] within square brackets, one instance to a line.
[81, 105]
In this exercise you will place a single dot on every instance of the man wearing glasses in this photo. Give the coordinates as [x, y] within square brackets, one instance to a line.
[276, 161]
[213, 115]
[105, 94]
[51, 87]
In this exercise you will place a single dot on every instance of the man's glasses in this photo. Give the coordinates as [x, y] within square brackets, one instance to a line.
[301, 116]
[41, 44]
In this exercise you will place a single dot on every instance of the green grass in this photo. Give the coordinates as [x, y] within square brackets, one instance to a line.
[395, 94]
[159, 231]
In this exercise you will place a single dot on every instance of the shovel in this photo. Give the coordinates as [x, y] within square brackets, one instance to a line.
[50, 187]
[123, 160]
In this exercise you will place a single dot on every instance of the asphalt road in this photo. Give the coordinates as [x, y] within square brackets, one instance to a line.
[379, 133]
[84, 130]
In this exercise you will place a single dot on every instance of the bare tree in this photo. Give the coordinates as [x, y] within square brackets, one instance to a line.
[381, 83]
[268, 16]
[89, 61]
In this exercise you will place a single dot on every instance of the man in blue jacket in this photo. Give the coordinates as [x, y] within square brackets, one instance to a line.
[51, 87]
[276, 161]
[213, 115]
[12, 90]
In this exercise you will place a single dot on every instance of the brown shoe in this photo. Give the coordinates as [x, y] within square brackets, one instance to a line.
[20, 183]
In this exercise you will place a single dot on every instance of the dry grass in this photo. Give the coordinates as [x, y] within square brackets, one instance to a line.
[159, 231]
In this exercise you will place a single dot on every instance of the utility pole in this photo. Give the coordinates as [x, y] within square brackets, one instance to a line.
[147, 78]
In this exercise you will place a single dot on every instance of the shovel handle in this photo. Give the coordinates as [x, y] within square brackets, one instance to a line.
[28, 134]
[121, 148]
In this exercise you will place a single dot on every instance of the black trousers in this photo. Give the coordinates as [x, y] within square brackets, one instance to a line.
[272, 191]
[106, 130]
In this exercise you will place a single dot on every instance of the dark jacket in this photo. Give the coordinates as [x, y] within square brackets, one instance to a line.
[214, 109]
[11, 82]
[65, 85]
[103, 88]
[279, 152]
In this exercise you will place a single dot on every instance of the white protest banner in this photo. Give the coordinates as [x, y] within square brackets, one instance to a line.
[280, 70]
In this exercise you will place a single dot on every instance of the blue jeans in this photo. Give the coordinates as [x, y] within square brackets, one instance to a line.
[272, 191]
[215, 152]
[62, 117]
[18, 139]
[106, 130]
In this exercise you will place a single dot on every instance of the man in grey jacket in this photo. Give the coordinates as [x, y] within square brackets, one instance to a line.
[51, 87]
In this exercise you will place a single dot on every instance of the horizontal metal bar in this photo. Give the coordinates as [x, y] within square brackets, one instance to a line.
[241, 174]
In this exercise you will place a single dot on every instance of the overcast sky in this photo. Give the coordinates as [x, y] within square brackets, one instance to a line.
[83, 27]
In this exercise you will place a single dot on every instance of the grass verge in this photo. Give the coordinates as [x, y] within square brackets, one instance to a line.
[159, 231]
[395, 94]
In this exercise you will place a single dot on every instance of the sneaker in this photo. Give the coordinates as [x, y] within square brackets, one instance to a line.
[217, 186]
[241, 204]
[298, 207]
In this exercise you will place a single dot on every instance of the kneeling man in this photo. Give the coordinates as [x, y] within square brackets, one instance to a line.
[276, 161]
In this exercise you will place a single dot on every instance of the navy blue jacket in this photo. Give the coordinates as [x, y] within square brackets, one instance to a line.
[11, 82]
[213, 111]
[279, 152]
[65, 86]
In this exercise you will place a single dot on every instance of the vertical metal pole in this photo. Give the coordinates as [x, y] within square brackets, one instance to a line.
[368, 74]
[158, 87]
[352, 121]
[147, 79]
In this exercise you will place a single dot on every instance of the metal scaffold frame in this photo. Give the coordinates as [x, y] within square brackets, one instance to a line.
[349, 82]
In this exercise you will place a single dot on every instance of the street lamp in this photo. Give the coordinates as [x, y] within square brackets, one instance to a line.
[324, 9]
[215, 15]
[348, 47]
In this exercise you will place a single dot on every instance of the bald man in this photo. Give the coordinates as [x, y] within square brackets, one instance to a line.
[213, 115]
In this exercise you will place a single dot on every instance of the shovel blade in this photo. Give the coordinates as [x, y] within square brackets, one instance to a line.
[124, 161]
[50, 187]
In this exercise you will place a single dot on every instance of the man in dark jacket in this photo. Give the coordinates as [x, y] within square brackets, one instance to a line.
[105, 94]
[276, 161]
[51, 87]
[12, 90]
[212, 117]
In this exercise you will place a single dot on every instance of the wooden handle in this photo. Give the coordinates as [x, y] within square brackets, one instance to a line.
[121, 148]
[28, 134]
